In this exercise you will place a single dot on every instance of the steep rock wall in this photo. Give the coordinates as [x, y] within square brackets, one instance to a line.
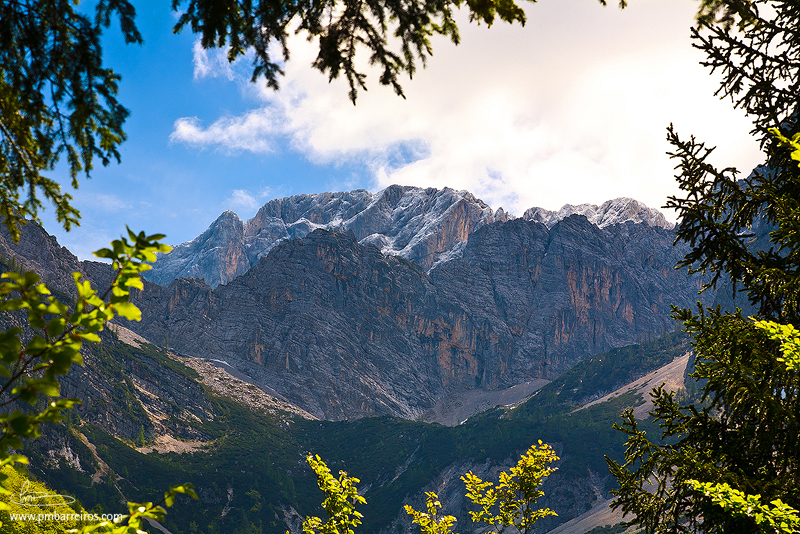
[344, 331]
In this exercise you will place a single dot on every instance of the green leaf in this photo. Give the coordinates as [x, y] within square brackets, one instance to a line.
[37, 344]
[89, 336]
[128, 311]
[44, 386]
[104, 253]
[56, 326]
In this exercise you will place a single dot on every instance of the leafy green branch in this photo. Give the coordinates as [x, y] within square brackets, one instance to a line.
[789, 338]
[137, 513]
[516, 494]
[56, 98]
[514, 498]
[431, 522]
[779, 518]
[31, 369]
[341, 497]
[793, 143]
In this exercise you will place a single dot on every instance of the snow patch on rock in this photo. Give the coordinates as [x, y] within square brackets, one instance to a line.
[617, 211]
[426, 226]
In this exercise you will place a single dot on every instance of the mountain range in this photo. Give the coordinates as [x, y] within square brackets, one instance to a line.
[390, 303]
[324, 311]
[425, 226]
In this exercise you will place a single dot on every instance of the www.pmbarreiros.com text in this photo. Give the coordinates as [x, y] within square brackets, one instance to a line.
[74, 518]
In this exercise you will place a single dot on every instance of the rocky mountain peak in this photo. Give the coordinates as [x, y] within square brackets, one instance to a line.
[427, 226]
[421, 225]
[611, 212]
[217, 255]
[342, 330]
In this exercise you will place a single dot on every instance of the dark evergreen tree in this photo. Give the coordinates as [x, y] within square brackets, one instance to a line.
[56, 97]
[745, 234]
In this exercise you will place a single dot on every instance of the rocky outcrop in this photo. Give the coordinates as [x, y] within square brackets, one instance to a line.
[422, 225]
[426, 226]
[335, 326]
[126, 386]
[40, 252]
[217, 255]
[343, 331]
[568, 292]
[124, 390]
[617, 211]
[317, 320]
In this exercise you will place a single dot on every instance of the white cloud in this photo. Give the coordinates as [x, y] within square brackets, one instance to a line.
[571, 108]
[242, 199]
[211, 64]
[246, 203]
[200, 60]
[252, 132]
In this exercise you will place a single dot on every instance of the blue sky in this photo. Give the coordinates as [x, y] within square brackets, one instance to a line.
[572, 108]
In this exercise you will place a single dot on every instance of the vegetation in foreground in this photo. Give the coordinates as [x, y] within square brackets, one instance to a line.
[732, 464]
[734, 453]
[272, 453]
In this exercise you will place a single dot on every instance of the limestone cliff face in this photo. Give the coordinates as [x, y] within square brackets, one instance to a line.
[426, 226]
[324, 321]
[217, 255]
[343, 331]
[421, 225]
[564, 293]
[123, 388]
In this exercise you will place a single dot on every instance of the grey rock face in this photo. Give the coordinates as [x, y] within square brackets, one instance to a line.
[421, 225]
[122, 389]
[40, 252]
[617, 211]
[218, 254]
[426, 226]
[316, 320]
[344, 331]
[129, 390]
[567, 292]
